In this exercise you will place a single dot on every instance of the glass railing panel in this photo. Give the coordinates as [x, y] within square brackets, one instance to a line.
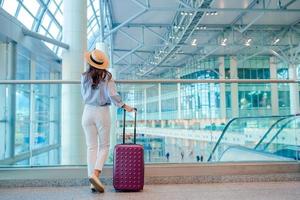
[244, 132]
[285, 142]
[181, 120]
[274, 130]
[30, 124]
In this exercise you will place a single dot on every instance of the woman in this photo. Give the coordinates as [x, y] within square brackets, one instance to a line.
[98, 90]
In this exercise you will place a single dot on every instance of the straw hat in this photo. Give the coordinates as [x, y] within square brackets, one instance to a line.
[97, 59]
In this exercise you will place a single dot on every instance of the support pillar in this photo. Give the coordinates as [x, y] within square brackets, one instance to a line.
[145, 106]
[294, 90]
[159, 101]
[74, 33]
[274, 88]
[3, 100]
[222, 89]
[178, 101]
[234, 88]
[11, 99]
[33, 128]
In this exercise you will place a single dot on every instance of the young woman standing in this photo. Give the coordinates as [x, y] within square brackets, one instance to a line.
[98, 90]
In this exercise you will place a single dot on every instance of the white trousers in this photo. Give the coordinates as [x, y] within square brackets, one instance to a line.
[96, 125]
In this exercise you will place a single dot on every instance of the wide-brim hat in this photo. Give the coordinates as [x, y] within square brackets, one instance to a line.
[97, 59]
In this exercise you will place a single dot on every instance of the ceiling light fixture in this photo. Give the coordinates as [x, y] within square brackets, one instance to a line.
[223, 43]
[214, 13]
[276, 41]
[247, 43]
[194, 42]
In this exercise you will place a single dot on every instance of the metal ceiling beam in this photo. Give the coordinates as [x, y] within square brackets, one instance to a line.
[140, 4]
[252, 10]
[44, 38]
[128, 53]
[288, 4]
[123, 59]
[129, 36]
[184, 35]
[158, 35]
[125, 22]
[140, 57]
[42, 13]
[94, 11]
[240, 16]
[49, 13]
[208, 26]
[143, 24]
[184, 4]
[152, 52]
[138, 65]
[101, 22]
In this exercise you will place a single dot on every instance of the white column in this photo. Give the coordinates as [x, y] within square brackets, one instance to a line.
[11, 61]
[145, 106]
[74, 33]
[234, 88]
[3, 73]
[159, 101]
[178, 101]
[33, 130]
[222, 89]
[274, 87]
[294, 90]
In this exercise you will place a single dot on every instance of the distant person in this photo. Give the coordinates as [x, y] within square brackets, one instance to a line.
[191, 153]
[198, 158]
[167, 156]
[201, 158]
[182, 155]
[98, 90]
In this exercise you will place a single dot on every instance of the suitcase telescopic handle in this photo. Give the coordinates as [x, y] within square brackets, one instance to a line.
[134, 129]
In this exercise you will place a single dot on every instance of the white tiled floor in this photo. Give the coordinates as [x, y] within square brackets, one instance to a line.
[223, 191]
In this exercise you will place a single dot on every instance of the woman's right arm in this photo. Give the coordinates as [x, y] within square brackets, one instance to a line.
[116, 98]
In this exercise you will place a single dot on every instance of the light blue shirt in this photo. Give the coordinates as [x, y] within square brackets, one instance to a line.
[103, 95]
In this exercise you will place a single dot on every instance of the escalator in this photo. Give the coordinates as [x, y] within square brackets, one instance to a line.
[268, 138]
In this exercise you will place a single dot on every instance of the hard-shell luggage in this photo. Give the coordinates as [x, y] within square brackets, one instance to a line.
[128, 168]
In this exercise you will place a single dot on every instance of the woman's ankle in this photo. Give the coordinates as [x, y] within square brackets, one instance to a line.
[97, 172]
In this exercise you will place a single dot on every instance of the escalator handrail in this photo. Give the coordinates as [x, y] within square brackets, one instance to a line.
[269, 130]
[279, 131]
[234, 119]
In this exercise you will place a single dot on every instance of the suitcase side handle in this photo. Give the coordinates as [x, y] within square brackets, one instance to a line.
[134, 129]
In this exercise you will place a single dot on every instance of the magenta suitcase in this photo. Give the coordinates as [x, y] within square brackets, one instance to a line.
[128, 168]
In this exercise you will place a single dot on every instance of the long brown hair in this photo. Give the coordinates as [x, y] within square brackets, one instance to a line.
[97, 75]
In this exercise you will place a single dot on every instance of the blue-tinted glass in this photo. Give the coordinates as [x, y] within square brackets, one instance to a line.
[247, 74]
[260, 73]
[253, 73]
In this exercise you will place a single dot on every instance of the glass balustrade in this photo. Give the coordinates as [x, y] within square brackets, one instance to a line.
[176, 122]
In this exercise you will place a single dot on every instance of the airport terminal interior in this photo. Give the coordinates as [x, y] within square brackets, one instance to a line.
[216, 84]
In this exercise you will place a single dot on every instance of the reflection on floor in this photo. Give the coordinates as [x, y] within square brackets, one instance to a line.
[224, 191]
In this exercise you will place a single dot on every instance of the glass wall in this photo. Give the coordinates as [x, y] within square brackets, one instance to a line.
[30, 114]
[181, 120]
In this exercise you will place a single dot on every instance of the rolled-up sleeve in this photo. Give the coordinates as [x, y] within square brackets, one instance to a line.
[113, 94]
